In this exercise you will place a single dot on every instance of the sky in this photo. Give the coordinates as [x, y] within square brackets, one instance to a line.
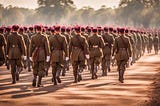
[32, 4]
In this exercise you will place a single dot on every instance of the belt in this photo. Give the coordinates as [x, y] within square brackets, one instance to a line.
[13, 46]
[95, 46]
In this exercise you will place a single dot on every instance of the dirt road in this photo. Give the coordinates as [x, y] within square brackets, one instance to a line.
[103, 91]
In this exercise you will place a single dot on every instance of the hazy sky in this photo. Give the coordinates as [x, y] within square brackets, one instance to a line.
[79, 3]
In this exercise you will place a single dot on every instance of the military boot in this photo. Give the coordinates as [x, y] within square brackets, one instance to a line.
[75, 78]
[13, 78]
[121, 76]
[34, 81]
[39, 82]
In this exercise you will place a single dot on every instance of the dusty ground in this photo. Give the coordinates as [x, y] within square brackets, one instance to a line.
[103, 91]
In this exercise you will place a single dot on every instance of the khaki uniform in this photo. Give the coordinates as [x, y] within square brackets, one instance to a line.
[150, 43]
[27, 42]
[122, 47]
[156, 44]
[107, 52]
[2, 49]
[59, 50]
[96, 44]
[15, 50]
[77, 50]
[39, 50]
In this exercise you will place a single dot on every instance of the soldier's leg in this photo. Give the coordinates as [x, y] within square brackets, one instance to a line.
[92, 67]
[41, 72]
[19, 68]
[35, 73]
[54, 71]
[122, 69]
[104, 68]
[59, 67]
[82, 66]
[75, 69]
[29, 65]
[64, 68]
[96, 64]
[13, 70]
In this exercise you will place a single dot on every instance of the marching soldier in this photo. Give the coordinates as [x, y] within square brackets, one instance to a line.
[150, 43]
[27, 42]
[39, 54]
[122, 48]
[66, 63]
[2, 47]
[107, 51]
[96, 44]
[156, 43]
[59, 53]
[78, 52]
[16, 49]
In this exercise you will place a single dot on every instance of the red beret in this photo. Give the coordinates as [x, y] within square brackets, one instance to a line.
[63, 29]
[21, 29]
[57, 28]
[111, 29]
[126, 30]
[77, 28]
[106, 29]
[31, 28]
[38, 27]
[122, 30]
[8, 28]
[2, 29]
[89, 29]
[15, 27]
[52, 29]
[68, 29]
[25, 28]
[82, 29]
[94, 30]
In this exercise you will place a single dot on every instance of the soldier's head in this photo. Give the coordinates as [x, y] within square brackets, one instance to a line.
[38, 28]
[15, 28]
[21, 30]
[63, 29]
[121, 31]
[2, 30]
[94, 30]
[106, 29]
[57, 29]
[8, 29]
[52, 30]
[99, 30]
[68, 30]
[77, 29]
[82, 29]
[89, 30]
[110, 29]
[126, 31]
[31, 29]
[25, 29]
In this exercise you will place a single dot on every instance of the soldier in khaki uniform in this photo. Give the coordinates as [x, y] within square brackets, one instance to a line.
[96, 44]
[39, 52]
[2, 47]
[107, 51]
[150, 43]
[59, 53]
[122, 48]
[27, 42]
[15, 50]
[156, 43]
[66, 63]
[78, 52]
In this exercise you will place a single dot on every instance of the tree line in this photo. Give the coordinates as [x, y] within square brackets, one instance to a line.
[135, 13]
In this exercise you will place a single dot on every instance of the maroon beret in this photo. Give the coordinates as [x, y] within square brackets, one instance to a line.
[82, 29]
[8, 28]
[106, 29]
[52, 29]
[126, 30]
[21, 29]
[25, 28]
[15, 27]
[38, 27]
[121, 30]
[57, 28]
[31, 28]
[94, 30]
[111, 29]
[2, 29]
[77, 28]
[63, 29]
[68, 29]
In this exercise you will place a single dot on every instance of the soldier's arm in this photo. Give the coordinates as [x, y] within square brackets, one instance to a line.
[31, 47]
[101, 42]
[23, 46]
[47, 46]
[86, 47]
[114, 47]
[70, 47]
[65, 46]
[129, 48]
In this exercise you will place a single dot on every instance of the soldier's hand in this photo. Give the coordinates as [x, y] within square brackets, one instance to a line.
[25, 57]
[112, 57]
[67, 58]
[48, 59]
[30, 58]
[7, 56]
[130, 59]
[87, 56]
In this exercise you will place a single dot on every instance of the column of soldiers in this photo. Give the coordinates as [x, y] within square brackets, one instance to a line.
[96, 48]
